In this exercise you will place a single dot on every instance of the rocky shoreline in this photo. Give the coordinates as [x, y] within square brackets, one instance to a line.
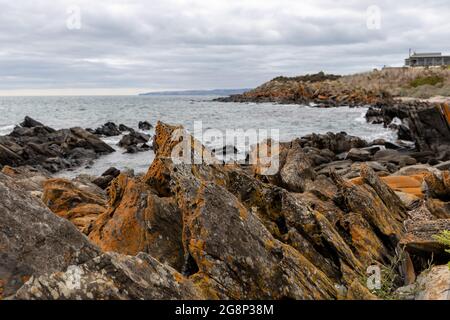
[336, 206]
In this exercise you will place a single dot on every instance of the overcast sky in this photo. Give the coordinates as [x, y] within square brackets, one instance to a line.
[126, 47]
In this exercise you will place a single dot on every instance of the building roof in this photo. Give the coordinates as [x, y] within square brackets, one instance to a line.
[426, 55]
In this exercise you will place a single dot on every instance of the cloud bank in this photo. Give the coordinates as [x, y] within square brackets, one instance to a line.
[130, 46]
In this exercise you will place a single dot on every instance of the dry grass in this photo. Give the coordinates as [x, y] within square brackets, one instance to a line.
[403, 82]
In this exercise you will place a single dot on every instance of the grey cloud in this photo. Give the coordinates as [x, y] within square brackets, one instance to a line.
[206, 44]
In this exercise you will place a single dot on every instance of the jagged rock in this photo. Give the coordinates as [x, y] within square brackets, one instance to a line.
[439, 209]
[43, 147]
[297, 170]
[112, 276]
[34, 241]
[438, 185]
[79, 203]
[30, 123]
[226, 151]
[123, 128]
[410, 201]
[327, 92]
[443, 165]
[335, 142]
[109, 129]
[240, 259]
[133, 138]
[418, 169]
[139, 221]
[394, 156]
[105, 179]
[359, 155]
[427, 123]
[407, 184]
[144, 125]
[27, 177]
[419, 237]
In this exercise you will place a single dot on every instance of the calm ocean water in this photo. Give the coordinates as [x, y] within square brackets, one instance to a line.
[292, 121]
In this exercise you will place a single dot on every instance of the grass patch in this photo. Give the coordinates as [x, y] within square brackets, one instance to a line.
[430, 80]
[444, 238]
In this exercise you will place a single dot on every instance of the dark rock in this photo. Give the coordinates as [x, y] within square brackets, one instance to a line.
[103, 181]
[404, 133]
[49, 149]
[34, 240]
[133, 139]
[111, 172]
[443, 165]
[109, 129]
[394, 156]
[144, 125]
[30, 123]
[124, 128]
[427, 123]
[226, 150]
[359, 155]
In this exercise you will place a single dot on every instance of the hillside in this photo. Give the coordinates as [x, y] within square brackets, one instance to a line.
[377, 87]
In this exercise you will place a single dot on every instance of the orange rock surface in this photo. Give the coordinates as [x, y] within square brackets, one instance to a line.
[69, 201]
[406, 184]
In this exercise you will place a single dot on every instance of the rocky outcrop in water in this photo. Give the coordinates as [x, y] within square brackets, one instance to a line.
[39, 146]
[320, 89]
[428, 125]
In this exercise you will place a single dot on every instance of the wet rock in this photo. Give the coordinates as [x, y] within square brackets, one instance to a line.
[34, 240]
[427, 123]
[105, 179]
[133, 139]
[44, 148]
[109, 129]
[124, 128]
[144, 125]
[30, 123]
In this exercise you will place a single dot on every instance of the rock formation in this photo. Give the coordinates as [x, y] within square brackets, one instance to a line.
[213, 231]
[42, 147]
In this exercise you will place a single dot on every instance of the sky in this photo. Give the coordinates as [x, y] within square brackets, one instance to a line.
[77, 47]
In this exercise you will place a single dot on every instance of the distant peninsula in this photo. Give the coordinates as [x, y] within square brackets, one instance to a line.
[214, 92]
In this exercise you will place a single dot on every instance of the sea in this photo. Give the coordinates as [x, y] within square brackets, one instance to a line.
[287, 121]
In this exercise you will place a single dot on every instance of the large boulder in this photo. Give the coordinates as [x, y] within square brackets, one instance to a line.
[34, 240]
[112, 276]
[433, 284]
[109, 129]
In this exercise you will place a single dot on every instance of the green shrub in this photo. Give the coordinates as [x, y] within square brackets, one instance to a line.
[444, 238]
[430, 80]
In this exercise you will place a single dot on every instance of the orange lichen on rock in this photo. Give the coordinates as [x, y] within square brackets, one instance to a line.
[70, 201]
[139, 221]
[406, 184]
